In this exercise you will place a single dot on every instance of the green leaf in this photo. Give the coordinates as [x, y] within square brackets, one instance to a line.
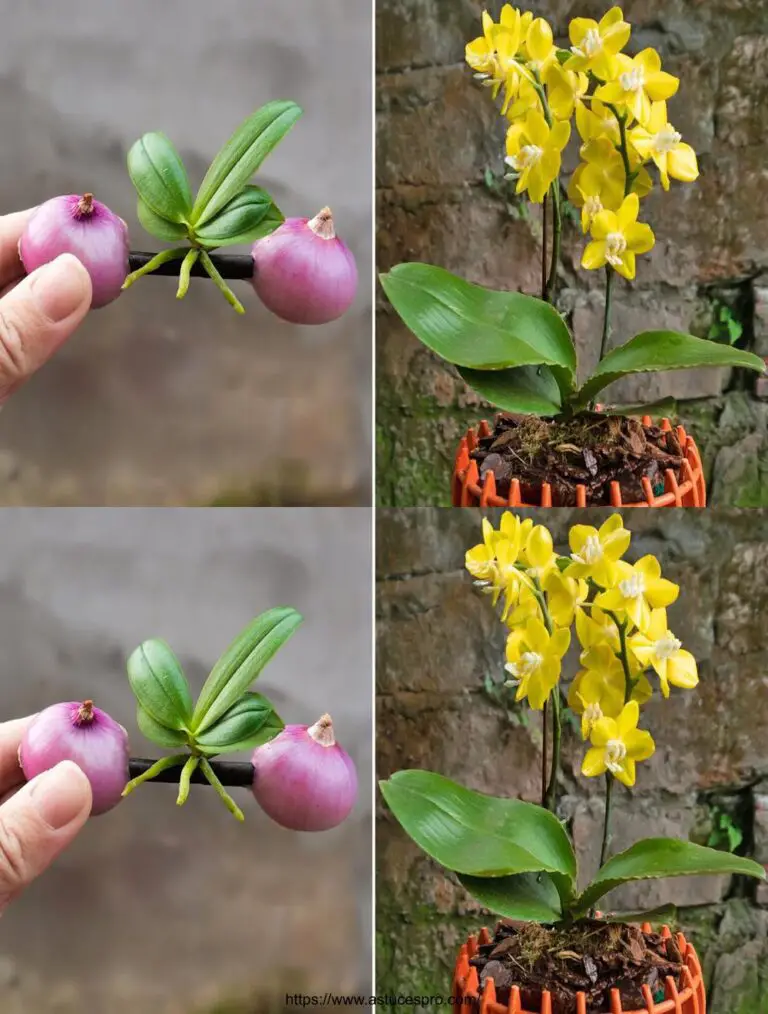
[664, 914]
[475, 834]
[241, 663]
[241, 156]
[655, 858]
[527, 389]
[248, 217]
[529, 896]
[159, 684]
[160, 227]
[158, 733]
[159, 176]
[479, 328]
[249, 723]
[654, 351]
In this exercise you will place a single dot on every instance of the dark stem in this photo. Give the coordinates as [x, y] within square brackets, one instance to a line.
[557, 735]
[544, 248]
[233, 773]
[609, 273]
[607, 820]
[231, 266]
[545, 751]
[557, 228]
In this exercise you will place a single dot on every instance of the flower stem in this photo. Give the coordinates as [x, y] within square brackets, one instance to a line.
[557, 735]
[544, 752]
[186, 268]
[220, 284]
[544, 217]
[225, 797]
[557, 228]
[607, 820]
[163, 764]
[162, 258]
[186, 774]
[629, 176]
[623, 656]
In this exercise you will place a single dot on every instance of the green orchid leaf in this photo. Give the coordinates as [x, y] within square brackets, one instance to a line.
[479, 328]
[655, 351]
[531, 897]
[159, 685]
[241, 156]
[249, 723]
[248, 217]
[158, 733]
[664, 915]
[657, 858]
[528, 389]
[170, 232]
[478, 835]
[241, 663]
[159, 176]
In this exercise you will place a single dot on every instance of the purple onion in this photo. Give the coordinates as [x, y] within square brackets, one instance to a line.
[79, 732]
[303, 779]
[303, 272]
[83, 227]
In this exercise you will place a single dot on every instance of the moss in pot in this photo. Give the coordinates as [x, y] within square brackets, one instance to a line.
[515, 857]
[515, 350]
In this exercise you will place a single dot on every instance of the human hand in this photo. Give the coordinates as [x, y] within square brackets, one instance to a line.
[39, 313]
[37, 819]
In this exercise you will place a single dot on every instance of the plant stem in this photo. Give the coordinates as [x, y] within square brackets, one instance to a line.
[557, 228]
[229, 266]
[165, 762]
[186, 774]
[162, 258]
[186, 267]
[606, 315]
[220, 284]
[225, 797]
[607, 820]
[229, 773]
[629, 685]
[544, 248]
[557, 735]
[544, 752]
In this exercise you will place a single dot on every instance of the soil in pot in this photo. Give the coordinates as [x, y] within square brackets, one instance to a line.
[591, 957]
[589, 449]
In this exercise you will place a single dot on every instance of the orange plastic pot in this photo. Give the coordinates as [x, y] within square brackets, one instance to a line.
[689, 998]
[467, 490]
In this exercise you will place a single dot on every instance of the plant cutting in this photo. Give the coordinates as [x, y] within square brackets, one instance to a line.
[300, 776]
[305, 274]
[515, 857]
[549, 445]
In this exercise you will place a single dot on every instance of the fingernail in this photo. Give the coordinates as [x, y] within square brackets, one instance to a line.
[58, 288]
[58, 794]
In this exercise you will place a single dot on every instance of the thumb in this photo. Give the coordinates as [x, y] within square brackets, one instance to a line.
[38, 315]
[38, 823]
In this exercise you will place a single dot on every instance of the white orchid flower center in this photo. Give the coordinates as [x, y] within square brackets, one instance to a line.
[632, 80]
[632, 587]
[615, 245]
[666, 139]
[592, 550]
[667, 647]
[615, 754]
[593, 206]
[592, 714]
[528, 156]
[527, 666]
[590, 44]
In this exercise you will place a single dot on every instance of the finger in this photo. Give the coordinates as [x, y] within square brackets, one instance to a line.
[38, 315]
[38, 823]
[11, 228]
[11, 774]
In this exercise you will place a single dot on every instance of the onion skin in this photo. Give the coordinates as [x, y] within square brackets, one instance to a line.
[302, 784]
[303, 272]
[97, 744]
[86, 228]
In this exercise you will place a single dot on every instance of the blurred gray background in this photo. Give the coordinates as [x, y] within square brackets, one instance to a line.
[165, 910]
[159, 402]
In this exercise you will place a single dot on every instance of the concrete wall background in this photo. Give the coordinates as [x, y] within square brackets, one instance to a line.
[437, 642]
[438, 134]
[160, 910]
[159, 402]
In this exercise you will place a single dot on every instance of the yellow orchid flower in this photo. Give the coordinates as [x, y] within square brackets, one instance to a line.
[662, 143]
[638, 589]
[534, 661]
[492, 56]
[617, 238]
[599, 689]
[595, 627]
[596, 120]
[540, 50]
[638, 82]
[595, 551]
[594, 44]
[564, 596]
[659, 648]
[617, 746]
[480, 560]
[520, 605]
[538, 553]
[598, 183]
[534, 153]
[564, 89]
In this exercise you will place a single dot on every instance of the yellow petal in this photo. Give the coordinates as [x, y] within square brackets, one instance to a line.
[626, 267]
[578, 28]
[682, 671]
[539, 39]
[682, 164]
[649, 61]
[628, 212]
[661, 86]
[628, 719]
[594, 763]
[604, 730]
[627, 773]
[639, 744]
[594, 254]
[639, 236]
[536, 128]
[604, 224]
[560, 135]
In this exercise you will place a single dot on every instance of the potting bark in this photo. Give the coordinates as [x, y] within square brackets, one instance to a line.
[592, 957]
[591, 450]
